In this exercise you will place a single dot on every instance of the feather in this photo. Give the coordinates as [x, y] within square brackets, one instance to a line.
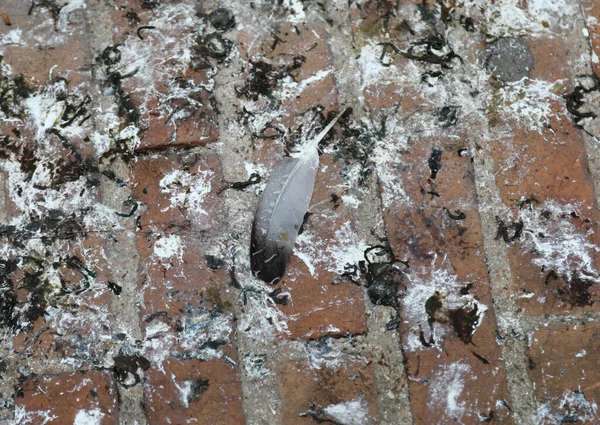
[281, 209]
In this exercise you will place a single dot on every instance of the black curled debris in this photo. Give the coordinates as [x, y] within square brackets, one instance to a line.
[145, 27]
[115, 288]
[509, 232]
[393, 324]
[148, 4]
[435, 161]
[13, 91]
[458, 215]
[213, 262]
[279, 298]
[509, 59]
[8, 299]
[384, 276]
[467, 23]
[197, 388]
[463, 320]
[126, 369]
[433, 49]
[269, 132]
[318, 415]
[221, 19]
[480, 358]
[132, 203]
[263, 77]
[110, 57]
[252, 180]
[576, 100]
[447, 115]
[216, 46]
[384, 292]
[428, 76]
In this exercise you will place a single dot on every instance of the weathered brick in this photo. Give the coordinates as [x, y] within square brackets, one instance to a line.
[564, 368]
[294, 65]
[81, 398]
[192, 391]
[318, 306]
[447, 306]
[543, 177]
[166, 69]
[65, 299]
[46, 44]
[343, 394]
[187, 309]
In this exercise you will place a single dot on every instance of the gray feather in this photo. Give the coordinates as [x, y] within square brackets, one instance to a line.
[281, 210]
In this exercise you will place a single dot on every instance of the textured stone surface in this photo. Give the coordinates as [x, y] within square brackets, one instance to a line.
[447, 269]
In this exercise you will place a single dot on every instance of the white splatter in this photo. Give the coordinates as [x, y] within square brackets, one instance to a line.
[447, 387]
[353, 412]
[88, 417]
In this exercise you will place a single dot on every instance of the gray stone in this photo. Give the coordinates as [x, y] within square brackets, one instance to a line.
[509, 59]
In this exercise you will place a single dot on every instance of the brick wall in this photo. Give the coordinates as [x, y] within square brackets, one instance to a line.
[448, 268]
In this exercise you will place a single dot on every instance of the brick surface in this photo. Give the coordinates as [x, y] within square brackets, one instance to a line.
[193, 391]
[432, 222]
[543, 176]
[564, 368]
[89, 397]
[120, 122]
[294, 64]
[318, 306]
[165, 73]
[310, 394]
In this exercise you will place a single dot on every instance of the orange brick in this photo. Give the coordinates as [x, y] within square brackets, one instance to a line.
[544, 180]
[564, 368]
[92, 398]
[193, 391]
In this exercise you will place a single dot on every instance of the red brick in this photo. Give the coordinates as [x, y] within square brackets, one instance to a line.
[187, 305]
[563, 365]
[81, 398]
[304, 388]
[73, 324]
[302, 60]
[317, 307]
[194, 392]
[173, 96]
[44, 44]
[549, 168]
[445, 255]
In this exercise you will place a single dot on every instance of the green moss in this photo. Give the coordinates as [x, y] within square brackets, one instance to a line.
[214, 295]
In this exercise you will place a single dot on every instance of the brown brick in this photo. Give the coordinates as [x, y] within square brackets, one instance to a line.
[447, 289]
[81, 398]
[172, 92]
[317, 306]
[194, 392]
[544, 180]
[66, 307]
[326, 391]
[563, 365]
